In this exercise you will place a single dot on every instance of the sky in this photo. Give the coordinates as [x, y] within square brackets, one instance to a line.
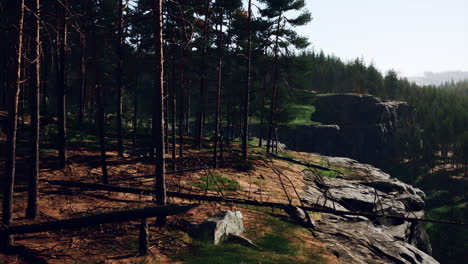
[409, 36]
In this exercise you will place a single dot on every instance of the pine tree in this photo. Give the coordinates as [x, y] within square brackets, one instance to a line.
[158, 107]
[13, 86]
[32, 209]
[284, 36]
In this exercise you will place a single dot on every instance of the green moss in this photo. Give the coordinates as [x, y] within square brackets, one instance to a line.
[214, 182]
[48, 151]
[328, 174]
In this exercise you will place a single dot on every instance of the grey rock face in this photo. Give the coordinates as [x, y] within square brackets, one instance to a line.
[351, 109]
[367, 125]
[364, 240]
[217, 228]
[361, 127]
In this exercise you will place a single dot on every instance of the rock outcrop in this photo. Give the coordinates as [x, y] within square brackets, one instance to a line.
[357, 239]
[218, 228]
[360, 127]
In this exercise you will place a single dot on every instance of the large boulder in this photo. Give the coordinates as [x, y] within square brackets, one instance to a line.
[218, 227]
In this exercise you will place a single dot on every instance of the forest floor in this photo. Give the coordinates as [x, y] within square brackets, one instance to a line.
[281, 239]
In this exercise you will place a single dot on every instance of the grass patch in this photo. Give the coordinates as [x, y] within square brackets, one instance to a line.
[211, 183]
[297, 115]
[277, 241]
[328, 174]
[48, 151]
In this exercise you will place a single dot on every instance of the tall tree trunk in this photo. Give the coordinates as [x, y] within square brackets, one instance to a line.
[181, 102]
[45, 83]
[262, 115]
[32, 209]
[23, 86]
[135, 111]
[3, 59]
[187, 112]
[83, 72]
[166, 116]
[82, 80]
[202, 106]
[247, 86]
[229, 124]
[174, 114]
[158, 107]
[275, 89]
[135, 99]
[218, 90]
[99, 103]
[62, 32]
[14, 82]
[119, 81]
[101, 133]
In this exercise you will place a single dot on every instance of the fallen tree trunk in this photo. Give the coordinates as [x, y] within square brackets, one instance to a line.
[310, 165]
[100, 187]
[198, 197]
[97, 219]
[152, 175]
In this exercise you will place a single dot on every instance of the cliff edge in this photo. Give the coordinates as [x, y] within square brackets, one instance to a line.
[357, 239]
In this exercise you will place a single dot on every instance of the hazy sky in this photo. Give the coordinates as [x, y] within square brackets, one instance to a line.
[410, 36]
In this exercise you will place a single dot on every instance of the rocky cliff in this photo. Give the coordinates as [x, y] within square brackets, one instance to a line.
[356, 239]
[361, 127]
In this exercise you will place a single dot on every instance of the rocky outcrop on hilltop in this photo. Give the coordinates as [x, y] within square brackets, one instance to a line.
[357, 239]
[357, 126]
[367, 126]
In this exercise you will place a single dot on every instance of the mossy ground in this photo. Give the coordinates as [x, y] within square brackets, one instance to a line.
[216, 182]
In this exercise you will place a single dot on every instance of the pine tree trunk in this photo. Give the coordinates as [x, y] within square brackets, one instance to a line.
[14, 82]
[187, 112]
[275, 90]
[101, 134]
[32, 209]
[218, 90]
[247, 86]
[174, 114]
[166, 116]
[262, 115]
[100, 111]
[83, 72]
[135, 111]
[61, 82]
[135, 99]
[228, 126]
[181, 102]
[119, 81]
[158, 110]
[202, 106]
[45, 83]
